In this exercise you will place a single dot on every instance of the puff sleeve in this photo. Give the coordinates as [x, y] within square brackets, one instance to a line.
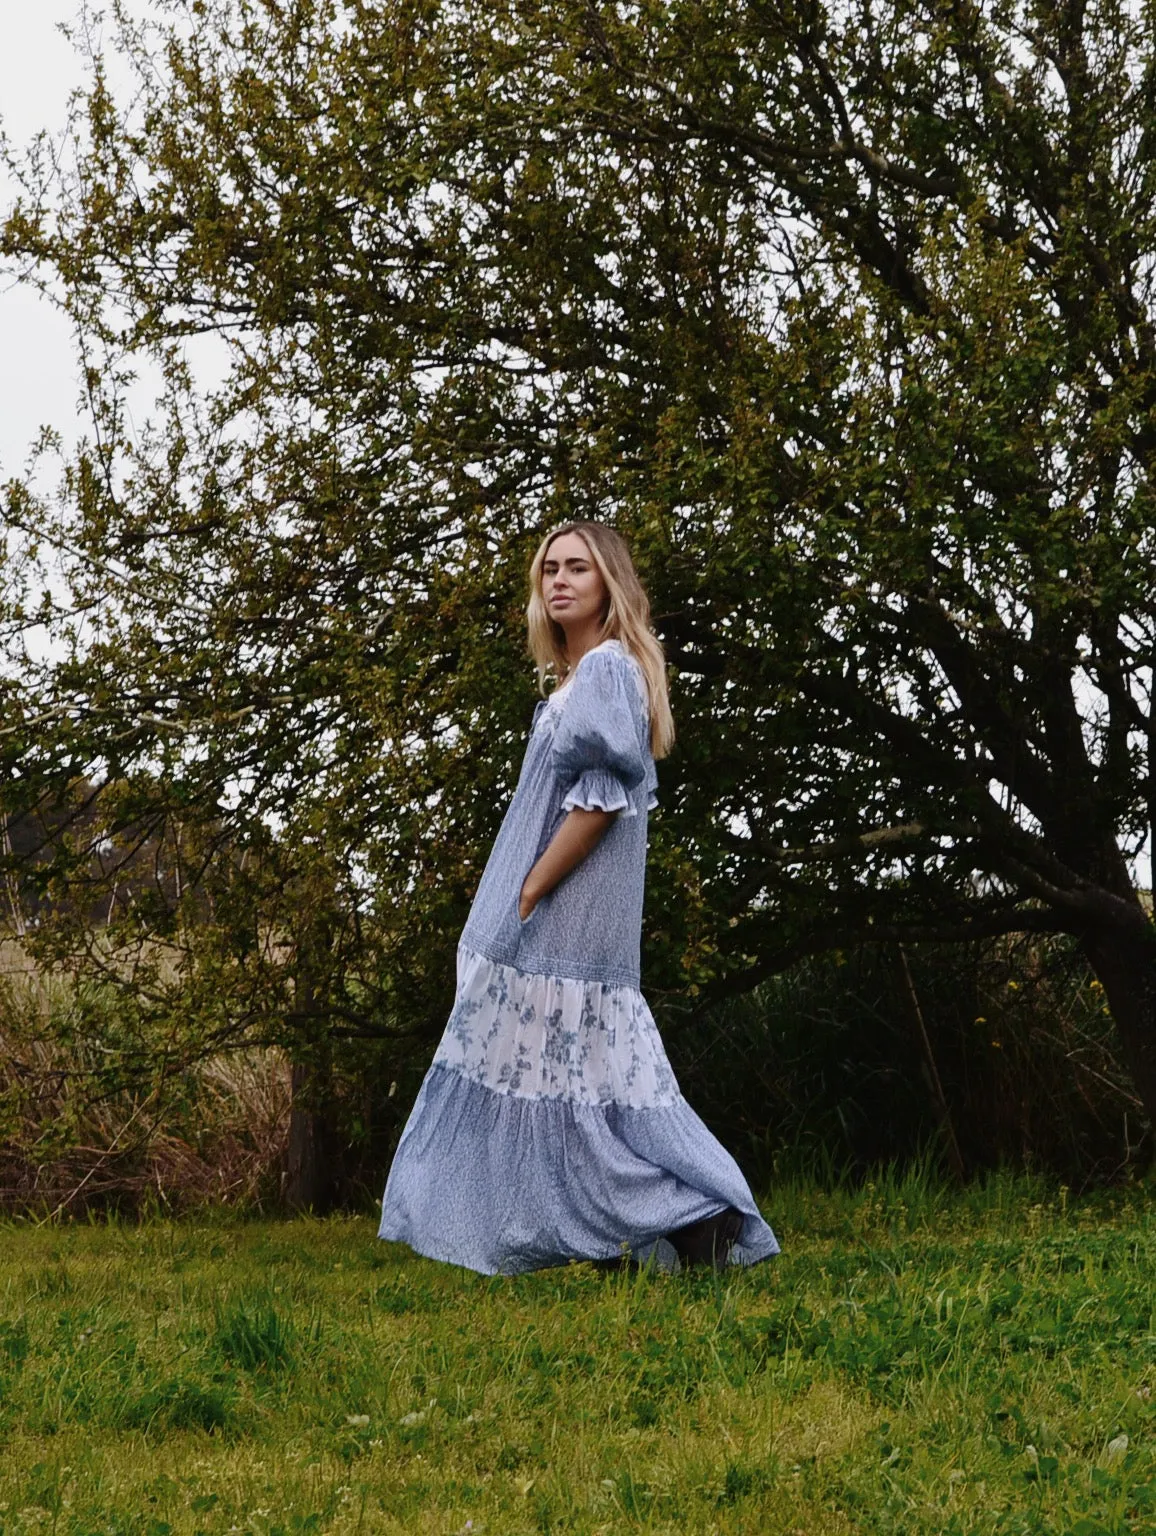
[601, 751]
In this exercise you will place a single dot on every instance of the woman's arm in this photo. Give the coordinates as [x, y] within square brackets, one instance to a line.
[578, 836]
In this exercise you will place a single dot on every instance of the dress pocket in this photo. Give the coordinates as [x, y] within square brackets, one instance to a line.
[528, 922]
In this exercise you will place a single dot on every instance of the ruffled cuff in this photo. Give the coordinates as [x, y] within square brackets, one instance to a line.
[597, 790]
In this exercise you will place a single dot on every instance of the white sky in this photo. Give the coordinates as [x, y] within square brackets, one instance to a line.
[38, 383]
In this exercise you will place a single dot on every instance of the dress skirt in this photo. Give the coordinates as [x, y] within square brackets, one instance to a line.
[550, 1128]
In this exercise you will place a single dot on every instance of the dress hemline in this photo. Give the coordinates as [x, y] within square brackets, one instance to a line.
[502, 1185]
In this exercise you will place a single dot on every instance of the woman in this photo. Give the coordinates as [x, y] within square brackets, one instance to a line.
[550, 1126]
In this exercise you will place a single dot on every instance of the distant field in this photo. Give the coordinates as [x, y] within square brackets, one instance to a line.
[915, 1362]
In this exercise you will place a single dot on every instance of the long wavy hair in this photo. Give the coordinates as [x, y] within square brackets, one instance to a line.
[626, 619]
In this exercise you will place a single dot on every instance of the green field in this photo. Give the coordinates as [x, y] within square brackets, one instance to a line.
[914, 1362]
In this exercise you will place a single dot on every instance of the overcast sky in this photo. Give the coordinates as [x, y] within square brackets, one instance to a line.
[38, 382]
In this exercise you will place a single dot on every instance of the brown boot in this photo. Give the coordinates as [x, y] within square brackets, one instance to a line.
[709, 1241]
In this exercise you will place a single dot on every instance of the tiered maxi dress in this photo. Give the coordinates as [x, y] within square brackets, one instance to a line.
[550, 1127]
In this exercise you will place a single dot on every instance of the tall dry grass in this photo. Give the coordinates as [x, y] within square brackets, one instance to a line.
[215, 1133]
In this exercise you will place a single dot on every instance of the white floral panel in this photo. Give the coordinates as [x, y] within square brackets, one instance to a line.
[550, 1037]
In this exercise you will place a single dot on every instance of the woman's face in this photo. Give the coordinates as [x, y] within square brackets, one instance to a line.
[572, 586]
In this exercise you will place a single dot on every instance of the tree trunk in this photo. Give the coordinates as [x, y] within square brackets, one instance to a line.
[309, 1183]
[1124, 960]
[308, 1175]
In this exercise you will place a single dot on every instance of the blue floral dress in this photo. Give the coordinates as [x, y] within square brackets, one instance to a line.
[550, 1126]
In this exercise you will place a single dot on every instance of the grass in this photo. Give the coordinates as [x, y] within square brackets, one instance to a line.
[914, 1362]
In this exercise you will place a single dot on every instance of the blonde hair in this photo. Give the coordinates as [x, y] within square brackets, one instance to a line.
[627, 619]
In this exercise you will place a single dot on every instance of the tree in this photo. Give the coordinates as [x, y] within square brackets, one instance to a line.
[842, 312]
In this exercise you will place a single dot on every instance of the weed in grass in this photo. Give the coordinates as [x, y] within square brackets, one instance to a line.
[14, 1343]
[180, 1403]
[254, 1336]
